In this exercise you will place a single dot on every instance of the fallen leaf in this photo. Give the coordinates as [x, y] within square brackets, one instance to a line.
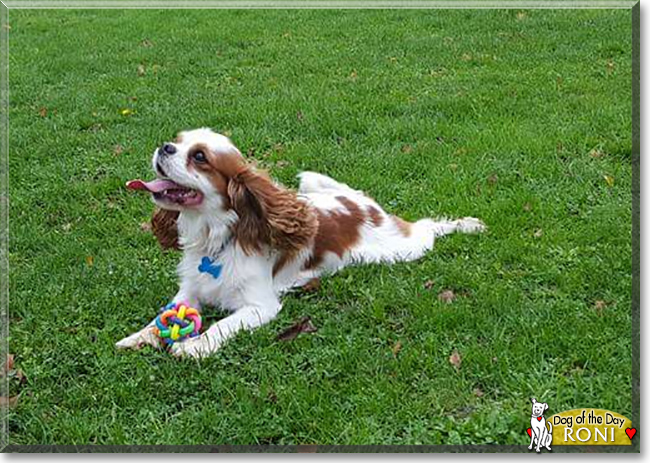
[90, 260]
[429, 284]
[396, 348]
[9, 365]
[303, 326]
[407, 149]
[141, 70]
[67, 226]
[300, 115]
[446, 296]
[528, 207]
[8, 401]
[118, 149]
[478, 392]
[596, 153]
[353, 75]
[126, 112]
[599, 306]
[538, 233]
[145, 226]
[493, 179]
[146, 43]
[282, 164]
[521, 15]
[494, 359]
[286, 35]
[609, 179]
[466, 57]
[453, 166]
[42, 112]
[455, 359]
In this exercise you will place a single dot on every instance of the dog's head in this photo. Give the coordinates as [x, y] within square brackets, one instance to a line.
[193, 172]
[539, 408]
[202, 172]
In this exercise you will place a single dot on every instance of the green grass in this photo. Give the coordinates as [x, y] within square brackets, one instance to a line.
[515, 117]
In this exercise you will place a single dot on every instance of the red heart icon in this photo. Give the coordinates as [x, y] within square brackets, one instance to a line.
[539, 418]
[530, 432]
[630, 432]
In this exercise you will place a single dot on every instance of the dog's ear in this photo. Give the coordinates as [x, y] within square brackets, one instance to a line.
[533, 400]
[268, 214]
[545, 406]
[163, 225]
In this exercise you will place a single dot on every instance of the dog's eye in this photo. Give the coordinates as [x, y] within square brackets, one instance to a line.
[199, 156]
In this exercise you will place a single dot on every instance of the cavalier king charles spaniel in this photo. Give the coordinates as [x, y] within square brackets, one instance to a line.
[247, 240]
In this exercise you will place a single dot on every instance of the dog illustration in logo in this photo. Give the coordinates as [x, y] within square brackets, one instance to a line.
[540, 436]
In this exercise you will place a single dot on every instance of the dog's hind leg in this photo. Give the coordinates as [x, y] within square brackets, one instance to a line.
[396, 240]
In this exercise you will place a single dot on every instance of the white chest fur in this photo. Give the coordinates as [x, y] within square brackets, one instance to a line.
[229, 287]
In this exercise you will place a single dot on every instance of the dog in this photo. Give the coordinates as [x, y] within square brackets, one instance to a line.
[246, 240]
[540, 436]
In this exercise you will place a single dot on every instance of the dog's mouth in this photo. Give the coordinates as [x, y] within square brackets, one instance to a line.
[167, 190]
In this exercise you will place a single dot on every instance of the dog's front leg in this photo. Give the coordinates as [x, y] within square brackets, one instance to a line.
[147, 336]
[246, 318]
[540, 436]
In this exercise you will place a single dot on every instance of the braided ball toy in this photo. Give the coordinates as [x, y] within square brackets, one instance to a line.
[177, 322]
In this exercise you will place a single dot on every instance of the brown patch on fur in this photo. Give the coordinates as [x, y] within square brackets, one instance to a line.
[163, 225]
[269, 214]
[402, 225]
[376, 216]
[337, 231]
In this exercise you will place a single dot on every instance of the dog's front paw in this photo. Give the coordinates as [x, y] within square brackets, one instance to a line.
[144, 337]
[199, 347]
[530, 447]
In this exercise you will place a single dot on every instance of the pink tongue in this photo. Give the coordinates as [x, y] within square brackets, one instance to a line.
[154, 186]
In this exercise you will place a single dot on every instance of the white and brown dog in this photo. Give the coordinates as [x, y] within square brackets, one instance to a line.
[246, 240]
[540, 436]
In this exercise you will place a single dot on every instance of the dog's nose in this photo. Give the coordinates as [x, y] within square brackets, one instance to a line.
[167, 148]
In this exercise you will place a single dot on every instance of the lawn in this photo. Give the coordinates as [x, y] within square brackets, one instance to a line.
[521, 118]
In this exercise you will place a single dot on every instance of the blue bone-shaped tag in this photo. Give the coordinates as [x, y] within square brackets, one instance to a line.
[207, 266]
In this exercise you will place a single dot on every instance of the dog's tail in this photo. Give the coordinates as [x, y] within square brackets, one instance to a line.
[442, 227]
[550, 428]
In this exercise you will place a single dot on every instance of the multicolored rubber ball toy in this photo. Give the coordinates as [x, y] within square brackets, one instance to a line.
[177, 322]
